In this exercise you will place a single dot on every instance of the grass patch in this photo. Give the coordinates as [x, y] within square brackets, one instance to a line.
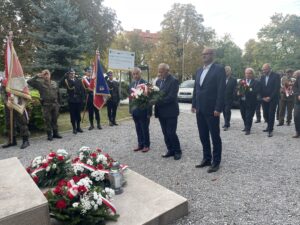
[64, 123]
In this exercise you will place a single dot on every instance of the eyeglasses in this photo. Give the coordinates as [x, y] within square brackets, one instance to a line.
[206, 53]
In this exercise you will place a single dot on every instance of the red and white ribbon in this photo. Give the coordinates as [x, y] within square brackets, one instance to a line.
[109, 205]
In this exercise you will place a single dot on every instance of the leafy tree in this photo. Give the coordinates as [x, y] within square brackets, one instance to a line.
[228, 53]
[62, 37]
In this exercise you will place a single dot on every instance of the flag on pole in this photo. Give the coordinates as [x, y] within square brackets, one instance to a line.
[16, 85]
[98, 84]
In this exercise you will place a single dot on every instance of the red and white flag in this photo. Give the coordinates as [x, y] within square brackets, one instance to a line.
[16, 85]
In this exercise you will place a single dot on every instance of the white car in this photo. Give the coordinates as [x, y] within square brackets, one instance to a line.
[186, 90]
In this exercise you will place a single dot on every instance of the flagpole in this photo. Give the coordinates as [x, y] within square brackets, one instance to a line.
[11, 111]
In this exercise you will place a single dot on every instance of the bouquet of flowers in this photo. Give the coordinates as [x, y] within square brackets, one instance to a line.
[144, 95]
[47, 171]
[243, 87]
[79, 202]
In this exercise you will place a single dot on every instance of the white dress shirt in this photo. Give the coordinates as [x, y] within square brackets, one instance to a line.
[204, 72]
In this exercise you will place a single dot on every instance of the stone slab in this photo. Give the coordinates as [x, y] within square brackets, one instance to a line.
[21, 201]
[146, 202]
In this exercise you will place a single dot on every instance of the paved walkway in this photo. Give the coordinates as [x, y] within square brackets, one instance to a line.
[258, 182]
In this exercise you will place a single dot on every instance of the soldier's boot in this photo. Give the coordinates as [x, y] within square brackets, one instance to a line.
[25, 143]
[49, 136]
[9, 144]
[56, 134]
[78, 127]
[98, 125]
[91, 126]
[74, 128]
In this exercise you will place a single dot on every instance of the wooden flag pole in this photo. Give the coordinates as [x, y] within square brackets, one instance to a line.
[11, 115]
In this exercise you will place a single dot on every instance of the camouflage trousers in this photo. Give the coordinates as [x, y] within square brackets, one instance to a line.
[50, 114]
[20, 122]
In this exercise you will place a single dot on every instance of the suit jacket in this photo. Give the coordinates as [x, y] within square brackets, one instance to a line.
[114, 91]
[230, 90]
[210, 96]
[296, 90]
[251, 95]
[168, 106]
[75, 90]
[136, 111]
[272, 89]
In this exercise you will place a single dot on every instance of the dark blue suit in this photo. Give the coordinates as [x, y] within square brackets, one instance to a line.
[272, 90]
[167, 111]
[207, 98]
[141, 118]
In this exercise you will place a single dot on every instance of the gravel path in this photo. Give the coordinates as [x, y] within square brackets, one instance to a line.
[258, 182]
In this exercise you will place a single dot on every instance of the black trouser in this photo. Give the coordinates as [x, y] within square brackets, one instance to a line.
[112, 111]
[286, 104]
[142, 130]
[210, 124]
[297, 118]
[247, 113]
[169, 127]
[75, 109]
[93, 110]
[227, 114]
[269, 110]
[257, 111]
[19, 121]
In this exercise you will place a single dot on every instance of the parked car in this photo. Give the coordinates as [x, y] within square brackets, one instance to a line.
[186, 90]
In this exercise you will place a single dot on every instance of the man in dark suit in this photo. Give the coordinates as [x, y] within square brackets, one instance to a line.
[141, 116]
[208, 102]
[113, 102]
[230, 91]
[167, 110]
[248, 99]
[270, 86]
[296, 90]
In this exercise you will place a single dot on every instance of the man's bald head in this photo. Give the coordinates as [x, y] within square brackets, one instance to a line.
[266, 68]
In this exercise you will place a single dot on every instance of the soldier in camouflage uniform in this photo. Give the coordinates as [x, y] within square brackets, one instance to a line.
[49, 93]
[19, 121]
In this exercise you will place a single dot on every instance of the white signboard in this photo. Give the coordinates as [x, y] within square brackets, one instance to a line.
[120, 60]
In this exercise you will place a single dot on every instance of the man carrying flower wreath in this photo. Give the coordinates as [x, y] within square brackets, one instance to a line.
[140, 116]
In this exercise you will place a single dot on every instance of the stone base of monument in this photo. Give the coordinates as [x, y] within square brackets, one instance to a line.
[146, 202]
[21, 201]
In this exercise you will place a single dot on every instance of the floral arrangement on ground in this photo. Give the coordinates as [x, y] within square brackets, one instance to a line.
[79, 189]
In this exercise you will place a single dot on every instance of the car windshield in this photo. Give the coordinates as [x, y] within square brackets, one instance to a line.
[187, 84]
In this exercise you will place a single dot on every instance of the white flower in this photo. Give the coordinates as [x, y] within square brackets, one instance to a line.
[85, 203]
[75, 204]
[250, 89]
[102, 158]
[84, 149]
[98, 175]
[77, 168]
[37, 161]
[44, 161]
[155, 88]
[99, 201]
[90, 162]
[53, 166]
[85, 182]
[48, 168]
[95, 207]
[62, 152]
[110, 192]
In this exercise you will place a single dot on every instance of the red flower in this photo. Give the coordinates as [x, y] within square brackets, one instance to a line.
[45, 165]
[110, 165]
[35, 179]
[82, 189]
[58, 190]
[60, 158]
[75, 160]
[62, 183]
[94, 155]
[28, 170]
[107, 155]
[52, 154]
[100, 167]
[83, 175]
[76, 179]
[61, 204]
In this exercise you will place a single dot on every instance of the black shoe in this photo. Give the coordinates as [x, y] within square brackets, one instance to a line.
[56, 134]
[14, 143]
[280, 124]
[25, 143]
[49, 136]
[114, 123]
[167, 155]
[266, 130]
[74, 131]
[247, 132]
[91, 128]
[244, 130]
[99, 127]
[79, 130]
[204, 163]
[225, 128]
[270, 134]
[111, 124]
[288, 123]
[213, 168]
[257, 121]
[177, 156]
